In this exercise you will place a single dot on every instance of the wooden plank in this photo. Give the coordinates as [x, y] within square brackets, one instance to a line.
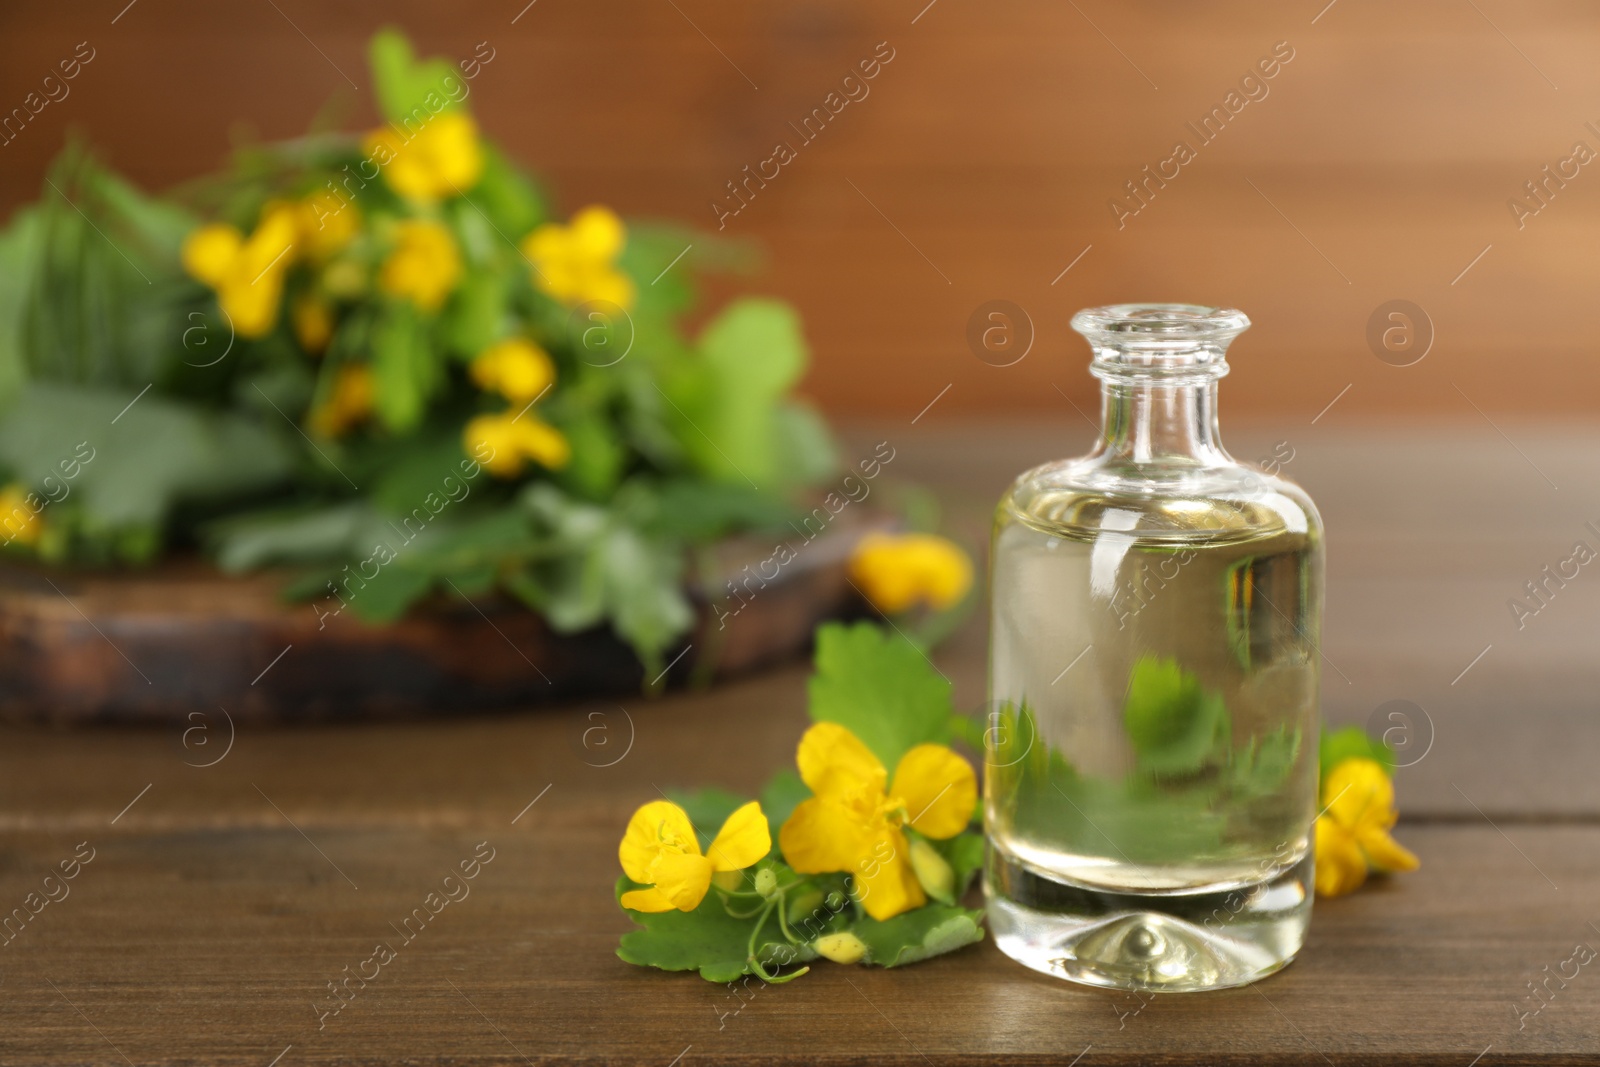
[211, 946]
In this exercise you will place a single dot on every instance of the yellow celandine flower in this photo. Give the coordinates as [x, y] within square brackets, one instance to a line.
[511, 440]
[1353, 834]
[856, 820]
[899, 571]
[424, 265]
[247, 273]
[577, 263]
[660, 850]
[443, 158]
[348, 403]
[19, 522]
[516, 368]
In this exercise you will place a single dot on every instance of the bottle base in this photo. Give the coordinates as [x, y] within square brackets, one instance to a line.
[1161, 942]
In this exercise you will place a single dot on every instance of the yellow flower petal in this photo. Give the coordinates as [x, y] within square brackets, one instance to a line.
[832, 760]
[19, 521]
[1357, 793]
[886, 884]
[271, 244]
[647, 899]
[252, 306]
[682, 877]
[576, 263]
[424, 264]
[495, 436]
[542, 443]
[516, 368]
[1384, 853]
[597, 233]
[348, 403]
[656, 825]
[899, 571]
[822, 835]
[1340, 866]
[440, 158]
[938, 790]
[210, 252]
[743, 839]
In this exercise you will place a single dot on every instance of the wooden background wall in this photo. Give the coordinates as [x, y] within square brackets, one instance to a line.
[1377, 167]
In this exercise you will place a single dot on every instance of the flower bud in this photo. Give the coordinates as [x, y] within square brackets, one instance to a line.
[766, 882]
[840, 948]
[933, 871]
[835, 901]
[804, 905]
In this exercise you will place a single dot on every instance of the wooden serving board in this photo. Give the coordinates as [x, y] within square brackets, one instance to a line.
[157, 646]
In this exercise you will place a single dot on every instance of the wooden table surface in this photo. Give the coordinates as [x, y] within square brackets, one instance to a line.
[220, 900]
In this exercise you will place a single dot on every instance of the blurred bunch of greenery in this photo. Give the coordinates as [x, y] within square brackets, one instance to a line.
[380, 363]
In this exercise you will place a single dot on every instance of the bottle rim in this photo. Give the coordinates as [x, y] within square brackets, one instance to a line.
[1159, 339]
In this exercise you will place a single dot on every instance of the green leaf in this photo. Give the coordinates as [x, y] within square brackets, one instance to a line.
[1351, 742]
[404, 474]
[750, 356]
[408, 88]
[598, 456]
[19, 249]
[405, 369]
[1175, 725]
[247, 541]
[805, 445]
[604, 568]
[137, 460]
[475, 316]
[707, 940]
[386, 597]
[1261, 766]
[697, 511]
[919, 934]
[880, 687]
[509, 197]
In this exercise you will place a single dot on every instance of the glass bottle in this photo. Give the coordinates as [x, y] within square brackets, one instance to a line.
[1151, 756]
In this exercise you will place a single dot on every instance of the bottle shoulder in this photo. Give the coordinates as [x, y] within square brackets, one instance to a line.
[1082, 499]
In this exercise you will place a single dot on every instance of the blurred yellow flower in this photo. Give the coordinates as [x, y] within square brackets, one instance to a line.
[247, 273]
[1352, 836]
[577, 263]
[19, 522]
[424, 265]
[899, 571]
[312, 318]
[516, 368]
[441, 159]
[511, 440]
[327, 224]
[855, 821]
[348, 403]
[660, 850]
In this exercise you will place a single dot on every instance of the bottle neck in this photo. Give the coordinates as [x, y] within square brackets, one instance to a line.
[1154, 420]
